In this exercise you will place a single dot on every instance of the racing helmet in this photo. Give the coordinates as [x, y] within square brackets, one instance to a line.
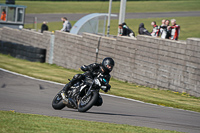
[108, 64]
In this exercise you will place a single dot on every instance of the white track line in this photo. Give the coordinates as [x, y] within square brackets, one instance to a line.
[47, 81]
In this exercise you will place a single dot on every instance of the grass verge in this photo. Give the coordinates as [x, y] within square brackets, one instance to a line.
[17, 122]
[102, 7]
[119, 88]
[188, 27]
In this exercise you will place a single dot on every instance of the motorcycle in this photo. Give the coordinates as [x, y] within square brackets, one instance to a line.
[82, 95]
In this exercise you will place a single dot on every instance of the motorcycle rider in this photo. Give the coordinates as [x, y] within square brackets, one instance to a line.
[93, 70]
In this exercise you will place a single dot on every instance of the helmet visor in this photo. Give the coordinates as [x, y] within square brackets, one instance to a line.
[109, 67]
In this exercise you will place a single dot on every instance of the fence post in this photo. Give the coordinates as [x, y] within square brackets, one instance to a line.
[97, 49]
[51, 49]
[35, 22]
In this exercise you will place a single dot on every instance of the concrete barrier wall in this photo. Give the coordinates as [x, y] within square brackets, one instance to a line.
[72, 51]
[144, 60]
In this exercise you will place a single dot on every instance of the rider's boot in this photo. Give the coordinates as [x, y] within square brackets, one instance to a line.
[65, 100]
[66, 88]
[63, 93]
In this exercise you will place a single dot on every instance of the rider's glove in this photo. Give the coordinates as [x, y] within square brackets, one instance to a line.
[87, 68]
[84, 68]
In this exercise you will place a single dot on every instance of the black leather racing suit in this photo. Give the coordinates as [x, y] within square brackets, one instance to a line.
[92, 71]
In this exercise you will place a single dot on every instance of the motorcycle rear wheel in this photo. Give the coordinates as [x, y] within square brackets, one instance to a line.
[85, 103]
[57, 102]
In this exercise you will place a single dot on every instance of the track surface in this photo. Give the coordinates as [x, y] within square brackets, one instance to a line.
[29, 18]
[27, 95]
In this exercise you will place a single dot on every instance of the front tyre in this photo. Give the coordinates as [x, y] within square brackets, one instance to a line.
[57, 102]
[86, 102]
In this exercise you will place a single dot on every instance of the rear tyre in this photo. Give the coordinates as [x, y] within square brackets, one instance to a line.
[57, 102]
[86, 102]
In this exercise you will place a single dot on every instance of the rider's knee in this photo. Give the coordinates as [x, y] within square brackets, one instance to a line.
[99, 101]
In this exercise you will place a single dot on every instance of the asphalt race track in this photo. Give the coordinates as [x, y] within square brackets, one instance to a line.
[29, 18]
[33, 96]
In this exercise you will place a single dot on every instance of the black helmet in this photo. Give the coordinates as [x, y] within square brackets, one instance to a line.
[108, 64]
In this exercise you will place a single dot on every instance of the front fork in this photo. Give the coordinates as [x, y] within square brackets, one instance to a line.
[89, 90]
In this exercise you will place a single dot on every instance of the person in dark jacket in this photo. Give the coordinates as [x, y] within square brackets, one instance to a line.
[125, 30]
[168, 36]
[44, 27]
[164, 32]
[142, 30]
[93, 70]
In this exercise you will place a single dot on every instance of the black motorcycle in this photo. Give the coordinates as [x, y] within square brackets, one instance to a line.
[82, 95]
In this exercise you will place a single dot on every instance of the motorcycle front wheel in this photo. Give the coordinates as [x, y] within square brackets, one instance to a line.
[57, 102]
[86, 102]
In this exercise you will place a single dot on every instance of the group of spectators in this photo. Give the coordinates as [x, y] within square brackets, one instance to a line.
[165, 31]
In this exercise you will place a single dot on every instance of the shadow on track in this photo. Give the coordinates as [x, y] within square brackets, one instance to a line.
[109, 114]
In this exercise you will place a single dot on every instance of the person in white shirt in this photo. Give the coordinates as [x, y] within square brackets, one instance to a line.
[162, 29]
[66, 25]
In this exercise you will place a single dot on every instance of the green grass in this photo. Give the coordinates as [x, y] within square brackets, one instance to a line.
[11, 122]
[102, 7]
[188, 27]
[119, 88]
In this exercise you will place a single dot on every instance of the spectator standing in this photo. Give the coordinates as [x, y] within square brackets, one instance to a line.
[175, 30]
[168, 34]
[142, 30]
[44, 27]
[125, 30]
[66, 25]
[163, 29]
[3, 15]
[155, 30]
